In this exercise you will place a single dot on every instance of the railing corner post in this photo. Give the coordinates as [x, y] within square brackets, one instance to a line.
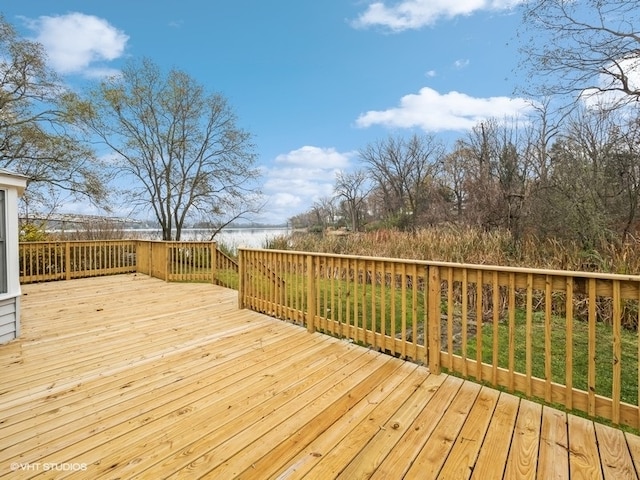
[433, 320]
[311, 294]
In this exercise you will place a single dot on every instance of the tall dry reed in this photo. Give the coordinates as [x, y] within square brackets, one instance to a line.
[473, 246]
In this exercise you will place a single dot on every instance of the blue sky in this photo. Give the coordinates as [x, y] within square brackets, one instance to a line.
[313, 81]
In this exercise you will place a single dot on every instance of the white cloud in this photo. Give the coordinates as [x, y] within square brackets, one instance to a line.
[414, 14]
[314, 157]
[462, 63]
[435, 112]
[299, 178]
[75, 41]
[431, 73]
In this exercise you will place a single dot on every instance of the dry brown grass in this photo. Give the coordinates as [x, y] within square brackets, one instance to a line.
[471, 245]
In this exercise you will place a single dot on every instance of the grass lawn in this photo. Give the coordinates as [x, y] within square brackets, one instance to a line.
[604, 353]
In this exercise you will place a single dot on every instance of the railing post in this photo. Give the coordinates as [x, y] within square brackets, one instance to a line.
[433, 320]
[241, 282]
[67, 260]
[311, 294]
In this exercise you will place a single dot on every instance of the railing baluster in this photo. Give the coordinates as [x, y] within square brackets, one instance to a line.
[616, 388]
[393, 292]
[383, 305]
[548, 299]
[414, 312]
[529, 334]
[403, 313]
[512, 330]
[363, 303]
[332, 301]
[374, 310]
[465, 320]
[591, 359]
[568, 402]
[495, 300]
[311, 293]
[479, 330]
[450, 317]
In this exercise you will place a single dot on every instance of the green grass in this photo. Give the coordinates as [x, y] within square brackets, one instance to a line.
[228, 278]
[603, 361]
[343, 301]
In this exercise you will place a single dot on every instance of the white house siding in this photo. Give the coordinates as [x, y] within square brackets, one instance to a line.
[8, 322]
[13, 186]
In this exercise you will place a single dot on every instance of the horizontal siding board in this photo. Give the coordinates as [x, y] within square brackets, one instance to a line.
[7, 309]
[8, 327]
[6, 338]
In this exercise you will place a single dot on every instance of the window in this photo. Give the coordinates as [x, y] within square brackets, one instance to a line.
[3, 242]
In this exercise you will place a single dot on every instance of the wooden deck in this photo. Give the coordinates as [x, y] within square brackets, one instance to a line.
[127, 377]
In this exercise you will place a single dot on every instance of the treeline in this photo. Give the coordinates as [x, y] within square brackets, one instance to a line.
[574, 180]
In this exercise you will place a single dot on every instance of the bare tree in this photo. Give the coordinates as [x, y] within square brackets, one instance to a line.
[180, 147]
[496, 177]
[323, 212]
[625, 172]
[403, 171]
[352, 188]
[35, 138]
[454, 167]
[583, 48]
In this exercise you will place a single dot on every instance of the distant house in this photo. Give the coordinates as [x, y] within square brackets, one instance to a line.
[12, 186]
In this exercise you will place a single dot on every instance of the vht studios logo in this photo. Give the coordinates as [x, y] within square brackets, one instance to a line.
[49, 467]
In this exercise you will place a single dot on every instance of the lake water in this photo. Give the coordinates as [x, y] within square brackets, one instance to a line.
[231, 237]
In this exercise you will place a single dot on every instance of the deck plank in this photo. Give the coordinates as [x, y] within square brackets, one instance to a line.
[523, 456]
[553, 460]
[633, 442]
[614, 454]
[398, 462]
[433, 455]
[383, 442]
[495, 447]
[584, 458]
[466, 448]
[138, 378]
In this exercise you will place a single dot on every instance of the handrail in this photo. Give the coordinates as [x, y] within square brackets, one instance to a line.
[565, 337]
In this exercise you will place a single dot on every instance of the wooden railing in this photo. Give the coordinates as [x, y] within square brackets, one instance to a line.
[170, 261]
[568, 338]
[47, 261]
[226, 270]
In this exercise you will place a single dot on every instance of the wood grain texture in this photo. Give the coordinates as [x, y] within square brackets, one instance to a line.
[138, 378]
